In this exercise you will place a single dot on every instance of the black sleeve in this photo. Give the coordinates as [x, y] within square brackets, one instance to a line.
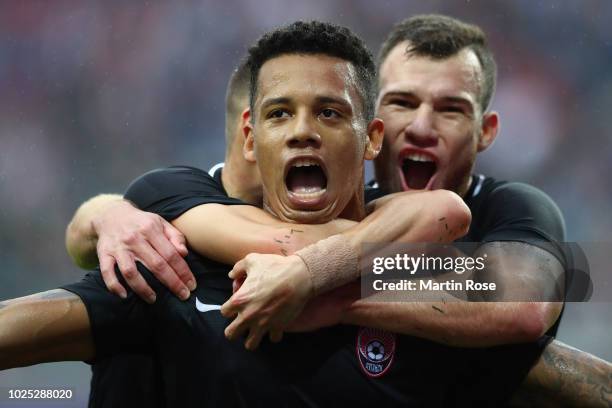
[118, 325]
[494, 374]
[519, 212]
[171, 191]
[372, 193]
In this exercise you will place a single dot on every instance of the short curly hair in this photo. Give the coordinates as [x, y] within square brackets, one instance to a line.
[315, 37]
[438, 37]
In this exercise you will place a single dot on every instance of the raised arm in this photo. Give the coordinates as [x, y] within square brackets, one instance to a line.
[44, 327]
[109, 230]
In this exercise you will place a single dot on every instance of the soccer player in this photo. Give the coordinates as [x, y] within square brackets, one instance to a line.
[421, 170]
[198, 363]
[436, 80]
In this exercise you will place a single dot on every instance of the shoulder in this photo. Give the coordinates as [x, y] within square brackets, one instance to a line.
[520, 206]
[522, 196]
[167, 183]
[172, 175]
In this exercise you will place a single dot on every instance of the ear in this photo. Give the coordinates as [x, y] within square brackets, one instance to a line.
[248, 149]
[376, 133]
[488, 133]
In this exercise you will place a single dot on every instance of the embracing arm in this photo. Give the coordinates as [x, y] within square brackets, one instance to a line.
[108, 229]
[44, 327]
[227, 233]
[515, 267]
[81, 235]
[285, 283]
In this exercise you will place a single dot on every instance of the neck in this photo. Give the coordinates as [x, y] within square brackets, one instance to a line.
[355, 209]
[239, 181]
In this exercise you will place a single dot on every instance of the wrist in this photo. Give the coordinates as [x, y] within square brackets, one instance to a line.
[105, 210]
[331, 263]
[302, 276]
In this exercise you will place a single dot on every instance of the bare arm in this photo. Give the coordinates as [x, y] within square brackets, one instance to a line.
[517, 267]
[227, 233]
[286, 283]
[566, 377]
[47, 326]
[109, 229]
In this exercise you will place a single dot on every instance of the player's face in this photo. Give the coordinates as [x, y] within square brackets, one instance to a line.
[308, 136]
[432, 121]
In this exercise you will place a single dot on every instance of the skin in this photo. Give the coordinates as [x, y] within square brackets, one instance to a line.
[309, 106]
[432, 106]
[47, 326]
[566, 377]
[81, 312]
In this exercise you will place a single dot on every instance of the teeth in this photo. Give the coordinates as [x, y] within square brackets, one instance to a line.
[309, 192]
[419, 157]
[305, 163]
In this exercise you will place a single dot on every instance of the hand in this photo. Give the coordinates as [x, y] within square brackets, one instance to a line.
[126, 234]
[327, 309]
[274, 293]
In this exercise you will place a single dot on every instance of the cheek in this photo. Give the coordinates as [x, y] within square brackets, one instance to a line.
[460, 149]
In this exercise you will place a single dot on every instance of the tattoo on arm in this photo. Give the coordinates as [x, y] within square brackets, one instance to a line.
[580, 373]
[568, 377]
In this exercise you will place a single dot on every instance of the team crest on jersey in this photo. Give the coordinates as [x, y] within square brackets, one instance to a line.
[375, 350]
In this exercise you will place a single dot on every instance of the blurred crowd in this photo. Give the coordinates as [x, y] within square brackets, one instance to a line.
[93, 94]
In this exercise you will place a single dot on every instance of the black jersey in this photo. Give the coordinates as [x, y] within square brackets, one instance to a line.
[508, 211]
[330, 367]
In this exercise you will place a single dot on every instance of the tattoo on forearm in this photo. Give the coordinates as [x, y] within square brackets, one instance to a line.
[579, 375]
[436, 308]
[286, 240]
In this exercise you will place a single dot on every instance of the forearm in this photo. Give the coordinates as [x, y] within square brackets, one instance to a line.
[81, 236]
[438, 216]
[49, 326]
[455, 323]
[432, 216]
[565, 376]
[228, 233]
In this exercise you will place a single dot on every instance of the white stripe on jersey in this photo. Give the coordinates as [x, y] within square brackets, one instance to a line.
[478, 185]
[214, 169]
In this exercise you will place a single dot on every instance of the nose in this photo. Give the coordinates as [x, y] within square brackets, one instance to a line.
[420, 130]
[304, 133]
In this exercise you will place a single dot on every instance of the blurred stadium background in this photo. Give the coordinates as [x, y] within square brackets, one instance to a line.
[93, 94]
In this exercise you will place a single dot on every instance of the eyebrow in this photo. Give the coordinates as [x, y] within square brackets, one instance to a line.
[453, 99]
[319, 100]
[399, 93]
[274, 101]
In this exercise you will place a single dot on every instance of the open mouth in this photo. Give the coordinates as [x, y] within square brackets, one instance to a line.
[306, 179]
[418, 169]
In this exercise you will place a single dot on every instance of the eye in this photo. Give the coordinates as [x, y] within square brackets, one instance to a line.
[404, 103]
[278, 113]
[452, 109]
[328, 113]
